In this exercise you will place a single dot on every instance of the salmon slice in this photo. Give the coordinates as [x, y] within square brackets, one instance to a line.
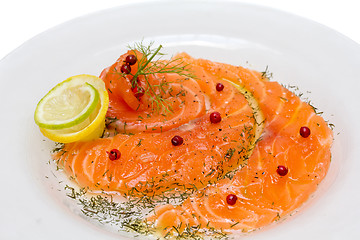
[263, 196]
[149, 163]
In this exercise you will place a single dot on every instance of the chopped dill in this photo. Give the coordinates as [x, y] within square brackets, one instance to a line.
[110, 120]
[234, 224]
[139, 144]
[229, 154]
[266, 74]
[128, 214]
[58, 147]
[195, 232]
[331, 125]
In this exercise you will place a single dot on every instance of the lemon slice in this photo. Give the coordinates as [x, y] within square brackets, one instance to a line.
[74, 110]
[67, 104]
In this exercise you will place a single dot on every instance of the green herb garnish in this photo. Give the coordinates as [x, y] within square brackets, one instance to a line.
[151, 63]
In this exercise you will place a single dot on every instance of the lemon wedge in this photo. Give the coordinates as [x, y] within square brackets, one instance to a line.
[74, 110]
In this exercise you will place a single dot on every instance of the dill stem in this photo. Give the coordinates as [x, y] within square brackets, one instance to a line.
[146, 63]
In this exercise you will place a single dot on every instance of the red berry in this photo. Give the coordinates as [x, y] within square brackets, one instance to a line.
[215, 117]
[219, 87]
[282, 170]
[125, 68]
[305, 132]
[138, 91]
[131, 59]
[231, 199]
[177, 140]
[114, 154]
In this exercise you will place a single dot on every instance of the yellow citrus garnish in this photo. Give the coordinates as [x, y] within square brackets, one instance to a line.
[74, 110]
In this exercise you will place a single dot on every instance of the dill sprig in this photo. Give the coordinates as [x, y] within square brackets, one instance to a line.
[151, 63]
[154, 56]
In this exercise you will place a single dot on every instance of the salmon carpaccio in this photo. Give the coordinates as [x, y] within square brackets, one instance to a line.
[240, 155]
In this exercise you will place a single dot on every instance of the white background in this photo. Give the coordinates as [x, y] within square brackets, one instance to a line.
[21, 20]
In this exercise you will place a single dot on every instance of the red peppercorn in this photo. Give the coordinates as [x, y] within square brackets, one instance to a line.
[219, 87]
[138, 91]
[215, 117]
[131, 59]
[282, 170]
[125, 68]
[231, 199]
[177, 140]
[114, 154]
[305, 132]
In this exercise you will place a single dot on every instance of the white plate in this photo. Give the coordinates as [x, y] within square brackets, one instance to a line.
[297, 51]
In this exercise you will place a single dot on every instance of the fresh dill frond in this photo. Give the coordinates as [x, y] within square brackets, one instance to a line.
[150, 63]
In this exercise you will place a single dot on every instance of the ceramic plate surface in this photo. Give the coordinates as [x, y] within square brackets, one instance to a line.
[321, 62]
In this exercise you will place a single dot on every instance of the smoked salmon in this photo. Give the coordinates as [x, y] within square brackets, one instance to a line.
[221, 130]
